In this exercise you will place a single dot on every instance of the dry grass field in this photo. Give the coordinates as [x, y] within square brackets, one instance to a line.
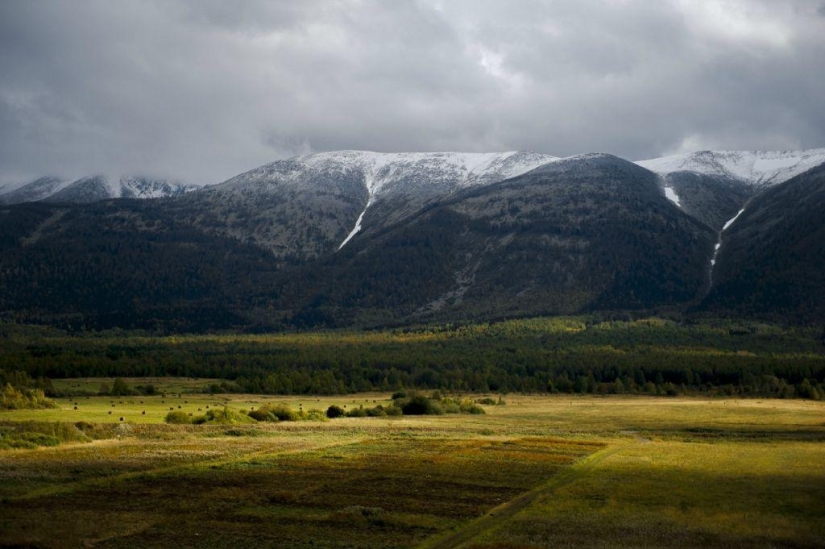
[540, 471]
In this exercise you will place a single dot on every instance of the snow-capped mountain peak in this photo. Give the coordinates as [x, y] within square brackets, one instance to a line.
[397, 184]
[760, 168]
[382, 171]
[93, 188]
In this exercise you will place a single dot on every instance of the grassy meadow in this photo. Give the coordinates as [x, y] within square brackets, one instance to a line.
[538, 471]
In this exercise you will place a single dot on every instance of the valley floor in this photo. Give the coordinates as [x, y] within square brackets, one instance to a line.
[538, 471]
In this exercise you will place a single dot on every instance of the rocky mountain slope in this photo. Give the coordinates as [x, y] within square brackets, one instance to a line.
[306, 207]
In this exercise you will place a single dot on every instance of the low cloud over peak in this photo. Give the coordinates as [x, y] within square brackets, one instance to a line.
[203, 90]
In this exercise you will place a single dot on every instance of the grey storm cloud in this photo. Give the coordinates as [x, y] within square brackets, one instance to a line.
[202, 90]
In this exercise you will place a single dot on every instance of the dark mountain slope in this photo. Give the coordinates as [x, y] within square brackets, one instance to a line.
[772, 260]
[591, 232]
[126, 264]
[443, 238]
[711, 199]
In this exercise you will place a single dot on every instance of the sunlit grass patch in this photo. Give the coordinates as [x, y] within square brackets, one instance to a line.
[677, 494]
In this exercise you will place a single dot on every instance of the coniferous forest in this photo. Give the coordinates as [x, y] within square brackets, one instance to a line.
[555, 355]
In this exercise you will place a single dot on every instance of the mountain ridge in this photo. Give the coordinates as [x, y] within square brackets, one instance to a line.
[91, 189]
[755, 167]
[357, 238]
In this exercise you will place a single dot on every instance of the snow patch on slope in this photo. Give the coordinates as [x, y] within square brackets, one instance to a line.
[718, 245]
[672, 196]
[754, 167]
[732, 220]
[357, 227]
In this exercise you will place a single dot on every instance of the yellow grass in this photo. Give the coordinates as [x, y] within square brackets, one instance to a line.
[663, 472]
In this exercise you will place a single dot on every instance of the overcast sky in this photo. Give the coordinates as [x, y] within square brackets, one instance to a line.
[202, 90]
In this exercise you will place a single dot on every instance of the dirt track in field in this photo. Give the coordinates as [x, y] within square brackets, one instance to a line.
[508, 510]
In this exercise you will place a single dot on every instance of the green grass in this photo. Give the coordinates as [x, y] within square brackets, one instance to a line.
[554, 471]
[683, 494]
[169, 385]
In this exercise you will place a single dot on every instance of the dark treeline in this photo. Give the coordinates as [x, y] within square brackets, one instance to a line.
[531, 356]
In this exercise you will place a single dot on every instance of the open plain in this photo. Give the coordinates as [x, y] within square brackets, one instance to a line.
[534, 471]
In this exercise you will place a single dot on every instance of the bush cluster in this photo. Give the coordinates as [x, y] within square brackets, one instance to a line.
[31, 435]
[18, 391]
[411, 404]
[12, 398]
[228, 416]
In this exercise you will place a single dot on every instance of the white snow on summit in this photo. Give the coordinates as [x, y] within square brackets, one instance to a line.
[384, 171]
[459, 169]
[92, 188]
[754, 167]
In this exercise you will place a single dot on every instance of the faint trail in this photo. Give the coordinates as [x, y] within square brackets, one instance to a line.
[508, 510]
[44, 225]
[147, 474]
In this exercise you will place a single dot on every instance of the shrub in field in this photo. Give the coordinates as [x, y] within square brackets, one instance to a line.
[450, 406]
[12, 398]
[262, 414]
[313, 414]
[465, 406]
[420, 405]
[121, 388]
[378, 411]
[393, 411]
[357, 412]
[283, 412]
[335, 411]
[33, 434]
[177, 417]
[26, 440]
[468, 407]
[226, 416]
[148, 389]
